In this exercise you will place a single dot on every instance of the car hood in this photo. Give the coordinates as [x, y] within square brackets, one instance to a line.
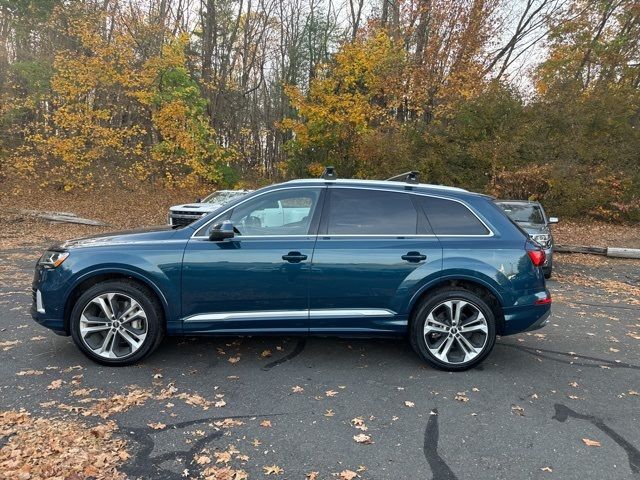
[129, 237]
[534, 228]
[197, 207]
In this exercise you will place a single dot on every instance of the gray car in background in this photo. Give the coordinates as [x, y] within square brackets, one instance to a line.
[532, 218]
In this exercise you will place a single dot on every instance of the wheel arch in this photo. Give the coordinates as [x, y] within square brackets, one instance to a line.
[481, 288]
[96, 277]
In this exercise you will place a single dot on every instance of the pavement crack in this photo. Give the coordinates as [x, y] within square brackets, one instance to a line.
[540, 352]
[296, 351]
[439, 467]
[563, 413]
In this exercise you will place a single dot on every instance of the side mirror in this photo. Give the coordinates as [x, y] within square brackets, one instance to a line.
[198, 200]
[553, 219]
[221, 231]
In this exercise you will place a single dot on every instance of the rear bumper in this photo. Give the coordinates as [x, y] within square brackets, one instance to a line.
[525, 318]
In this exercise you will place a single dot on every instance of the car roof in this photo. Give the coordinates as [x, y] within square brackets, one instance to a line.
[387, 184]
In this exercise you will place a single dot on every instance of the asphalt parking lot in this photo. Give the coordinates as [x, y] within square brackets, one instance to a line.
[529, 411]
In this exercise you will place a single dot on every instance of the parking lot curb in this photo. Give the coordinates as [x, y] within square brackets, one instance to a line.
[615, 252]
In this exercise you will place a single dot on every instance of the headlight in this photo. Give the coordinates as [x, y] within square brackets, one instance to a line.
[51, 259]
[543, 239]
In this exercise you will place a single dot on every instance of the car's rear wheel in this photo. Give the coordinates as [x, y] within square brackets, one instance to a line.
[453, 330]
[117, 322]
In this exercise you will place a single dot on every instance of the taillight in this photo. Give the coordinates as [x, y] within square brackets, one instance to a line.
[543, 301]
[537, 257]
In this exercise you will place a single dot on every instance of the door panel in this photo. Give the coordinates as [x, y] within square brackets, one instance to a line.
[367, 275]
[257, 281]
[374, 250]
[246, 285]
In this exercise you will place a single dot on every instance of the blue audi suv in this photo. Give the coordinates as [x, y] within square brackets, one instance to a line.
[327, 257]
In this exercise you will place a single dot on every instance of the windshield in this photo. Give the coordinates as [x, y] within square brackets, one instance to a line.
[222, 197]
[523, 213]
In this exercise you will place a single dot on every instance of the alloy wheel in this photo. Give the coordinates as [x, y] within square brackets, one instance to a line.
[456, 331]
[113, 325]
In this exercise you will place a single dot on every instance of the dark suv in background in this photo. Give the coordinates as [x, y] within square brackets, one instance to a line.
[443, 266]
[532, 218]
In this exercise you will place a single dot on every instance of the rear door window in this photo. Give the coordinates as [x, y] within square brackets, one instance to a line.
[370, 212]
[448, 217]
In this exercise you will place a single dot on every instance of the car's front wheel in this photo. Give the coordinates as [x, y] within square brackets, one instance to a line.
[117, 322]
[453, 330]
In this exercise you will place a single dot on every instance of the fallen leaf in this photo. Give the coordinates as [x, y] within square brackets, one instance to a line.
[409, 404]
[233, 359]
[462, 397]
[358, 422]
[312, 475]
[203, 460]
[55, 384]
[547, 469]
[223, 457]
[219, 404]
[272, 470]
[591, 443]
[265, 423]
[297, 389]
[265, 353]
[331, 393]
[362, 438]
[348, 475]
[518, 410]
[157, 426]
[329, 413]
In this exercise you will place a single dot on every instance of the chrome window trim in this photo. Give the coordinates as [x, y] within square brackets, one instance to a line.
[324, 236]
[424, 194]
[293, 314]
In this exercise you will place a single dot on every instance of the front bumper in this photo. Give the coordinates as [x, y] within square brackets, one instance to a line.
[49, 291]
[39, 314]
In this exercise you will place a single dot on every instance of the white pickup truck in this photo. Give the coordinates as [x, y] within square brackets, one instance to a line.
[180, 215]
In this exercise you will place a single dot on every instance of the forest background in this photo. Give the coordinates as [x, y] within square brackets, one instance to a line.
[534, 99]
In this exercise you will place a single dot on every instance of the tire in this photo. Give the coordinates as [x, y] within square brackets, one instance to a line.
[135, 330]
[463, 353]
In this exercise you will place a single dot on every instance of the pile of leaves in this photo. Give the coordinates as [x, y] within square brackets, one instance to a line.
[38, 448]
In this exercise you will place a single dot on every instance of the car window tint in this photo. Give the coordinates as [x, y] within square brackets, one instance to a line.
[451, 218]
[370, 212]
[285, 212]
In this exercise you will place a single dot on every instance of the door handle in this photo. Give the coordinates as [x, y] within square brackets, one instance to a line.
[294, 257]
[414, 257]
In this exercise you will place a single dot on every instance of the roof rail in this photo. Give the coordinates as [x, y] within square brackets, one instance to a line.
[329, 173]
[408, 177]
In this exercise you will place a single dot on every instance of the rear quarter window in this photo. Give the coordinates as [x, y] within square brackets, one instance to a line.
[448, 217]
